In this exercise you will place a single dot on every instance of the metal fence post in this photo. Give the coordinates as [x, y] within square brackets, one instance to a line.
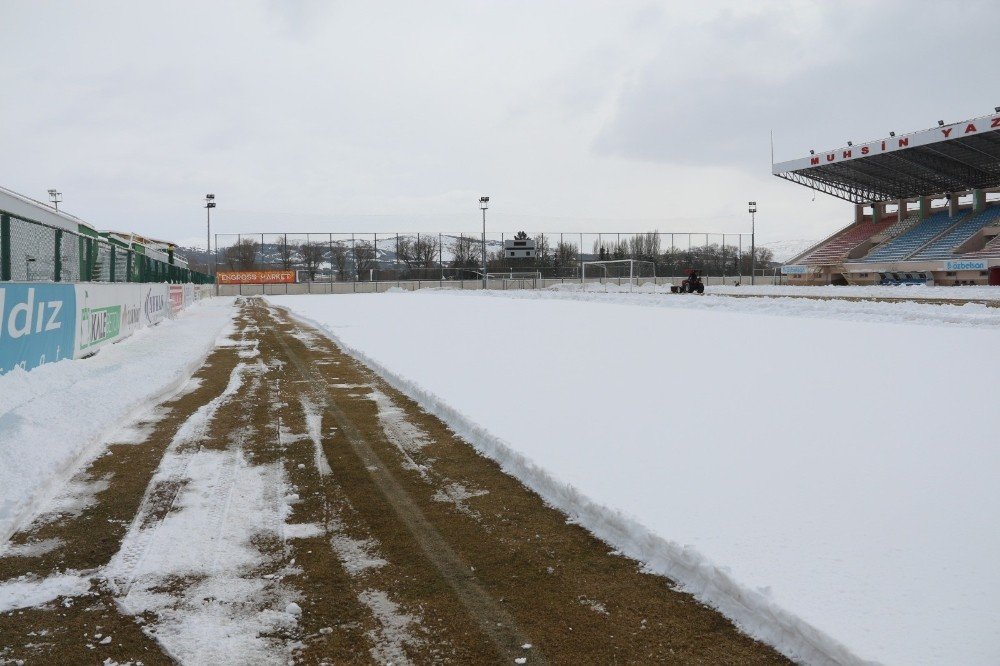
[57, 257]
[5, 248]
[111, 274]
[86, 271]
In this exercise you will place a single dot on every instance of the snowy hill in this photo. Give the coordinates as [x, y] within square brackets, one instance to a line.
[787, 249]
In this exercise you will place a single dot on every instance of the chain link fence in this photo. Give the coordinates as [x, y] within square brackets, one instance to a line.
[34, 252]
[386, 257]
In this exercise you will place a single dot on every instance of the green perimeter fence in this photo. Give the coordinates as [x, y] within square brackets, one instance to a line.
[34, 252]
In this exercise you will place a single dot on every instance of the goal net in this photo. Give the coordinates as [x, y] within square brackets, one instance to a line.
[515, 275]
[516, 279]
[618, 271]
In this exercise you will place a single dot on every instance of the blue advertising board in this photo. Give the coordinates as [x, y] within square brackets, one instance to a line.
[966, 265]
[37, 324]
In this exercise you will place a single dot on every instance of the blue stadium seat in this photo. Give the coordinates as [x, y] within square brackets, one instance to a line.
[943, 247]
[909, 242]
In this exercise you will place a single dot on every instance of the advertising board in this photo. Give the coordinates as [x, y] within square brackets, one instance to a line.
[966, 265]
[43, 322]
[176, 296]
[794, 269]
[37, 324]
[106, 313]
[255, 277]
[155, 306]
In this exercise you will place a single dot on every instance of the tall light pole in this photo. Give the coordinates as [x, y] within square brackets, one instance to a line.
[484, 203]
[209, 205]
[55, 197]
[753, 238]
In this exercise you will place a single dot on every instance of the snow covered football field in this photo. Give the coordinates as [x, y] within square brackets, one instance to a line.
[825, 473]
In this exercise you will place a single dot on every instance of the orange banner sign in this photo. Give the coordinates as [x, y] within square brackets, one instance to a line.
[255, 277]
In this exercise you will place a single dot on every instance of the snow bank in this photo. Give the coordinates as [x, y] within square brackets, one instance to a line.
[833, 491]
[874, 291]
[55, 417]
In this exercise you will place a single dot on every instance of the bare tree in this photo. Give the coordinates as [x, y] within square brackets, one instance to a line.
[543, 251]
[312, 256]
[338, 258]
[405, 251]
[243, 255]
[496, 261]
[285, 251]
[764, 258]
[465, 252]
[364, 257]
[645, 247]
[425, 251]
[604, 248]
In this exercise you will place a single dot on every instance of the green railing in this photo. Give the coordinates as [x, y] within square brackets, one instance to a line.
[34, 252]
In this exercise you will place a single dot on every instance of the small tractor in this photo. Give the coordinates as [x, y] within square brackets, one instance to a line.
[692, 285]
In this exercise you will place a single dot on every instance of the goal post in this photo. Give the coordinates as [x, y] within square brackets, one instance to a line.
[632, 270]
[515, 275]
[516, 279]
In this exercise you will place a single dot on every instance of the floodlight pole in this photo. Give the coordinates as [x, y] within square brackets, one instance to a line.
[55, 197]
[209, 205]
[753, 237]
[484, 203]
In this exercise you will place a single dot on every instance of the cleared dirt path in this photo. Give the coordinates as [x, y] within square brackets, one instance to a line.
[290, 506]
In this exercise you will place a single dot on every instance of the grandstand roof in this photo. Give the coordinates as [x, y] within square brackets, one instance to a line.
[950, 158]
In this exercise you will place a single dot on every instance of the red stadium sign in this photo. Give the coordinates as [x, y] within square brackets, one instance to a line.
[951, 132]
[255, 277]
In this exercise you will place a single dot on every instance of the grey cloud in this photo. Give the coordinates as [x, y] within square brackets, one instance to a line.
[885, 72]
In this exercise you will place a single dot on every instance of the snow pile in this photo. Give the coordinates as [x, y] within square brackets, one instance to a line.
[827, 482]
[53, 418]
[871, 291]
[25, 592]
[966, 315]
[916, 291]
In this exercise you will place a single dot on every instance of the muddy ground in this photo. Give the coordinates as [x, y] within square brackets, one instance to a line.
[289, 506]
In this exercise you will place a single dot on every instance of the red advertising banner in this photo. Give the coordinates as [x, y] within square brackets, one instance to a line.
[255, 277]
[176, 295]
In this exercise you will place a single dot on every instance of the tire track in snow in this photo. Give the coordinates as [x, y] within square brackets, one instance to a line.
[173, 470]
[495, 622]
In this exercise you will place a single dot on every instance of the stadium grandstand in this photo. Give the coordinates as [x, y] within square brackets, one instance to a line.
[39, 243]
[926, 208]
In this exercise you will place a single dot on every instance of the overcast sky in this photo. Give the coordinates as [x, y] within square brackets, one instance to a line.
[383, 116]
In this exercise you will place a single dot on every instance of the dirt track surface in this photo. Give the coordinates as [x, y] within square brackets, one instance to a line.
[287, 473]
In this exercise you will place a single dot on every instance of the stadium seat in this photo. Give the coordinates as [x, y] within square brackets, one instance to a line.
[901, 226]
[835, 250]
[913, 240]
[944, 247]
[992, 247]
[989, 251]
